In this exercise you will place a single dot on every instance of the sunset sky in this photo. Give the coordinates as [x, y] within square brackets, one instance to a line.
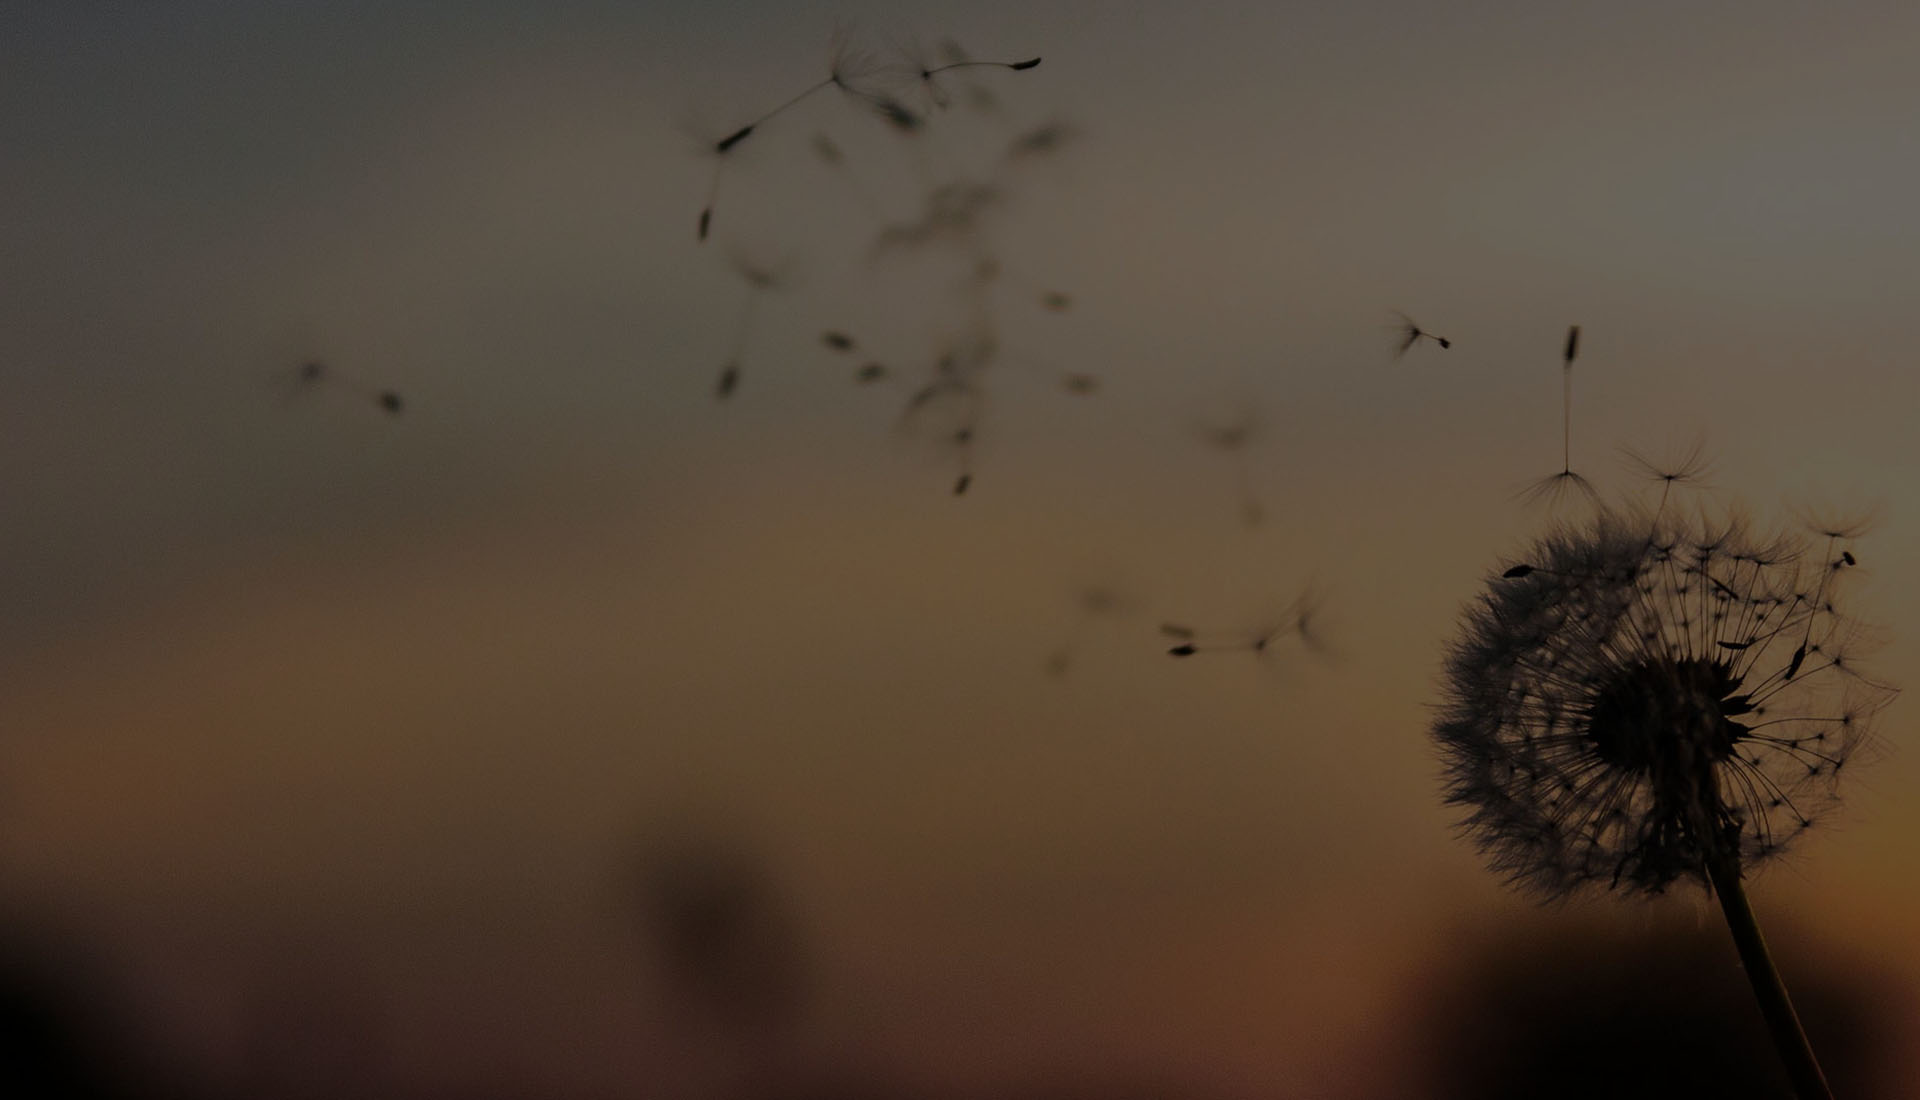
[374, 722]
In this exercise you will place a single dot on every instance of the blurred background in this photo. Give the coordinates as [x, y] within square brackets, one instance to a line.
[461, 635]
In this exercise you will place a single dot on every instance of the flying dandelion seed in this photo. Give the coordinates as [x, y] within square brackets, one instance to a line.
[851, 68]
[919, 64]
[1645, 700]
[1407, 334]
[1301, 621]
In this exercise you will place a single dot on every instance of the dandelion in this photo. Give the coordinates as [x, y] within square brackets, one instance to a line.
[1407, 334]
[1643, 700]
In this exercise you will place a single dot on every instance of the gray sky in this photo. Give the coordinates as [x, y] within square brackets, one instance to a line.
[412, 689]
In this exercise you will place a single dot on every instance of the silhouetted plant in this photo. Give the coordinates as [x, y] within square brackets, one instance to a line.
[1643, 700]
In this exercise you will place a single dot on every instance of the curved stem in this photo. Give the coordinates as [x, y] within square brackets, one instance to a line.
[1789, 1038]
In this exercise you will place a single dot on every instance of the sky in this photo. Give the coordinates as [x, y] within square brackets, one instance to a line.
[333, 737]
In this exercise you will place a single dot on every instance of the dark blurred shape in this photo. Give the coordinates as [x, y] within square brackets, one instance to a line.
[1080, 385]
[838, 341]
[729, 378]
[1056, 300]
[1407, 334]
[53, 1040]
[1573, 344]
[726, 944]
[390, 401]
[897, 115]
[871, 372]
[1586, 1013]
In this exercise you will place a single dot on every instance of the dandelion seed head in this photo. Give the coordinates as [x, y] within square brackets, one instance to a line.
[1645, 698]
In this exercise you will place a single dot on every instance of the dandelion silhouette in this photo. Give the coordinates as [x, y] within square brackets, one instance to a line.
[1644, 700]
[1407, 334]
[1554, 488]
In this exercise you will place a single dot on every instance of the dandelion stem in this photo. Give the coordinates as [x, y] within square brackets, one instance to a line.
[1789, 1038]
[1566, 418]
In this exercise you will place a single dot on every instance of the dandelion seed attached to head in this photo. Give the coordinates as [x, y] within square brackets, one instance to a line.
[1642, 701]
[1687, 468]
[1554, 488]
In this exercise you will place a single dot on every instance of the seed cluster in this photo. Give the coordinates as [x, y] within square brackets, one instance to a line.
[1641, 696]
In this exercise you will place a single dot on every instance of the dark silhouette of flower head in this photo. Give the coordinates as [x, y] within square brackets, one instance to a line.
[1647, 699]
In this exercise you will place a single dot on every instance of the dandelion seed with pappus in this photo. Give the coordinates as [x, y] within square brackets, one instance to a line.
[1643, 700]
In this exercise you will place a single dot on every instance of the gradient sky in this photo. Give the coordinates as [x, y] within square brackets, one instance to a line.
[293, 688]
